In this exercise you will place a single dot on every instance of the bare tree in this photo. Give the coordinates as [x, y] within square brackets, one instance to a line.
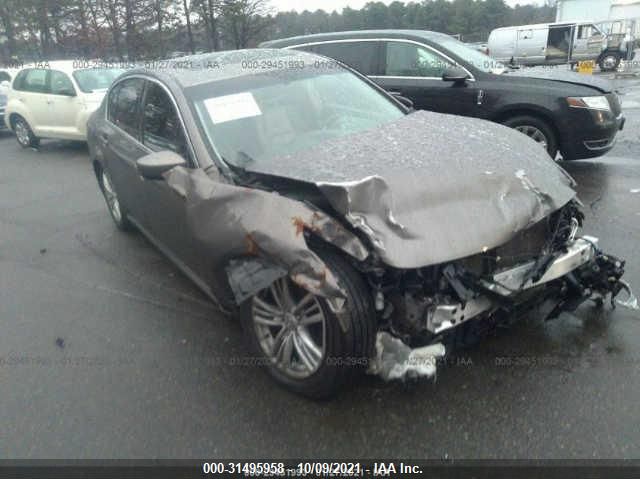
[245, 20]
[187, 16]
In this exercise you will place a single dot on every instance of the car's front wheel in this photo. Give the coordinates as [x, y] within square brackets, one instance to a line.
[301, 342]
[24, 134]
[116, 209]
[536, 129]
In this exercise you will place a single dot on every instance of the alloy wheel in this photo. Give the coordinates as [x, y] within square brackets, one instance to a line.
[22, 133]
[111, 197]
[534, 133]
[290, 325]
[609, 62]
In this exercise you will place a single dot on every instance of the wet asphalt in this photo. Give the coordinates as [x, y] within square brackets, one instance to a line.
[107, 351]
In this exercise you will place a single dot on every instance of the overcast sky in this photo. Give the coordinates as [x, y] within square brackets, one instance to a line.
[330, 5]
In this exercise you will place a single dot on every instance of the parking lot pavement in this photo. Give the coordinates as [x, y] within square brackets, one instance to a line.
[107, 351]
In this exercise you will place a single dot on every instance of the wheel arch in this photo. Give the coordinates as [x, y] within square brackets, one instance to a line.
[530, 110]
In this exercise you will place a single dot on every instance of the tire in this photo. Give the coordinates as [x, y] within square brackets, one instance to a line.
[117, 210]
[609, 61]
[533, 127]
[24, 134]
[345, 354]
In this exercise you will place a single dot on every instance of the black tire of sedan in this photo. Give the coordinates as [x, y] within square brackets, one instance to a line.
[117, 210]
[536, 129]
[301, 343]
[609, 62]
[24, 134]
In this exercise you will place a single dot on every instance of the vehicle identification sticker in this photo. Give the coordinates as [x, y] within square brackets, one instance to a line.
[232, 107]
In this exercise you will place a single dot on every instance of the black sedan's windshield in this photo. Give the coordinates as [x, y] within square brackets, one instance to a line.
[257, 117]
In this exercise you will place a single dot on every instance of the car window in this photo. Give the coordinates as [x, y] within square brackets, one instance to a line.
[123, 105]
[35, 81]
[60, 83]
[525, 34]
[96, 79]
[161, 128]
[361, 56]
[409, 59]
[4, 76]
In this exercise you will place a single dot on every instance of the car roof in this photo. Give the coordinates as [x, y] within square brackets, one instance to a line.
[544, 25]
[194, 70]
[66, 66]
[387, 33]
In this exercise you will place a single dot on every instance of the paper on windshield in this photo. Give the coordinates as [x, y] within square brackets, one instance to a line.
[232, 107]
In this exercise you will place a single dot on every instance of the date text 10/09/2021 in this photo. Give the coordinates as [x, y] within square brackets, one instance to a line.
[301, 469]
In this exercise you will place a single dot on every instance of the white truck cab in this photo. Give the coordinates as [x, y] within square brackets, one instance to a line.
[553, 44]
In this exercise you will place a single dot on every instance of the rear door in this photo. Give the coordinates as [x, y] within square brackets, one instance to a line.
[121, 142]
[361, 55]
[531, 45]
[415, 71]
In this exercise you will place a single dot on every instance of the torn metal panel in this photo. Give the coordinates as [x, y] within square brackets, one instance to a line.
[236, 222]
[248, 275]
[631, 302]
[420, 203]
[395, 360]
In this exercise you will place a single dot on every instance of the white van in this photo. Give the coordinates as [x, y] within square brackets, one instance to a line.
[554, 44]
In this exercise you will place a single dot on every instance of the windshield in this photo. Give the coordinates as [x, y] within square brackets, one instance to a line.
[472, 56]
[254, 118]
[96, 78]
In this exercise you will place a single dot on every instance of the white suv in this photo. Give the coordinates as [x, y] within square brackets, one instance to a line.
[55, 100]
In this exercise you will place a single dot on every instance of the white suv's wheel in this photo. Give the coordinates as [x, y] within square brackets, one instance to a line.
[24, 133]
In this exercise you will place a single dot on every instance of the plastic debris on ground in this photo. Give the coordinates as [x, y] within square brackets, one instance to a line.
[395, 360]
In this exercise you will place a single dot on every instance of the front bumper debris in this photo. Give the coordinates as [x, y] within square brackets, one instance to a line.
[554, 283]
[395, 360]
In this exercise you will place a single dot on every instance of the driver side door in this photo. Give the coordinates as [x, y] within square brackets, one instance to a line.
[165, 218]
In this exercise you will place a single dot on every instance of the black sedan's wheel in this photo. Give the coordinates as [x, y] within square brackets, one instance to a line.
[116, 209]
[24, 133]
[609, 61]
[300, 340]
[536, 129]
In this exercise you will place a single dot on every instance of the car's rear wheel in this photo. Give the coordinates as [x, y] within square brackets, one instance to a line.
[609, 61]
[24, 134]
[116, 208]
[300, 341]
[536, 129]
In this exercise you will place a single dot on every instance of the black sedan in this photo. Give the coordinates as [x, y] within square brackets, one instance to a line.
[346, 232]
[566, 112]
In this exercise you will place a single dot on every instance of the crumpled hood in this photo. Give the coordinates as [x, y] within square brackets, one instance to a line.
[430, 188]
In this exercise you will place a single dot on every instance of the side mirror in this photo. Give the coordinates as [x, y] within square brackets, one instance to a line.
[152, 166]
[455, 75]
[404, 100]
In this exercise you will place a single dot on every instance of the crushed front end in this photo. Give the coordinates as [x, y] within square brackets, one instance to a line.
[547, 267]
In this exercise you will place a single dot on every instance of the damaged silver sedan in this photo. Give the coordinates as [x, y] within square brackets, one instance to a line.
[345, 231]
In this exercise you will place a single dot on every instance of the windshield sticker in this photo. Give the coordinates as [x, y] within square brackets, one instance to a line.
[232, 107]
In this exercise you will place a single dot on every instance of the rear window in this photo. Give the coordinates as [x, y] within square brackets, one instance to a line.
[361, 55]
[94, 79]
[34, 80]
